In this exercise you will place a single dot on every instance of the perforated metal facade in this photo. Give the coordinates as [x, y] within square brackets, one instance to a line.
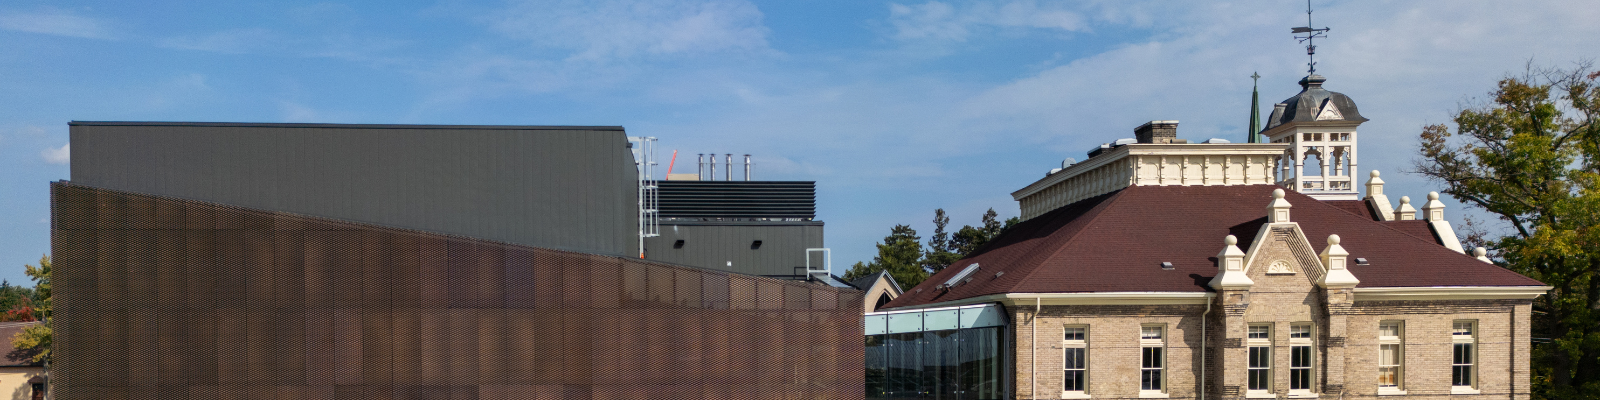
[165, 298]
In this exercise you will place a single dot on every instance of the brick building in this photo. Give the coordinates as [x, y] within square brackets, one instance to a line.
[1159, 268]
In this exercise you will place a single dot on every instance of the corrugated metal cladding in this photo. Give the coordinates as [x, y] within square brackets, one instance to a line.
[164, 298]
[570, 188]
[713, 245]
[739, 199]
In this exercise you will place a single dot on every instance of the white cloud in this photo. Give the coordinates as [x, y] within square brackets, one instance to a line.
[57, 155]
[234, 41]
[627, 28]
[936, 20]
[295, 112]
[54, 22]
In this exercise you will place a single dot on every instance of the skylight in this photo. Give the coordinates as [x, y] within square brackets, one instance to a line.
[966, 272]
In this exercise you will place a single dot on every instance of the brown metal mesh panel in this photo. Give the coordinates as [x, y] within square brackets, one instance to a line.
[167, 298]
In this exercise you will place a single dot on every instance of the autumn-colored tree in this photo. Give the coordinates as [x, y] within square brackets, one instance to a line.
[35, 341]
[1531, 157]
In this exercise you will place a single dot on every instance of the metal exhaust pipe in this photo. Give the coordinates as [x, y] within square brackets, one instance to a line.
[713, 175]
[727, 175]
[746, 167]
[700, 167]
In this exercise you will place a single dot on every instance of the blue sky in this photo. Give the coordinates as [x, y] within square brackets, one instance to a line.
[894, 108]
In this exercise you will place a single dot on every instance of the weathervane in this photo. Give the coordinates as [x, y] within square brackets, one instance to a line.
[1309, 39]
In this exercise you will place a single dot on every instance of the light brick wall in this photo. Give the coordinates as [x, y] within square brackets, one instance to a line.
[1114, 348]
[1502, 346]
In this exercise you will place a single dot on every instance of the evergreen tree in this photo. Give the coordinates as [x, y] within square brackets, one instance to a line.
[1532, 158]
[940, 253]
[900, 253]
[969, 238]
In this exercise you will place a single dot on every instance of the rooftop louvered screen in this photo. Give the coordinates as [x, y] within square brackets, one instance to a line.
[768, 200]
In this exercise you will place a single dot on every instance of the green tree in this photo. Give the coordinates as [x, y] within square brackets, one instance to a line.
[1531, 157]
[940, 252]
[900, 253]
[969, 238]
[35, 340]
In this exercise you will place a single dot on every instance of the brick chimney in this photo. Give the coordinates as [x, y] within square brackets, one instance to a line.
[1157, 132]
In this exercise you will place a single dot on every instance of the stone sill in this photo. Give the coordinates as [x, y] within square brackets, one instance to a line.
[1152, 395]
[1391, 392]
[1463, 390]
[1074, 395]
[1260, 394]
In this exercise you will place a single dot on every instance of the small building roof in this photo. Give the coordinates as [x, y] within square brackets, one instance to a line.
[865, 282]
[1117, 242]
[9, 356]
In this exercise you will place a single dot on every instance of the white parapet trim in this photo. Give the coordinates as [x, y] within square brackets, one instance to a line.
[1449, 293]
[1146, 164]
[1059, 299]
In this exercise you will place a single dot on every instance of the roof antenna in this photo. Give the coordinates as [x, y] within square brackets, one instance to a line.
[1308, 39]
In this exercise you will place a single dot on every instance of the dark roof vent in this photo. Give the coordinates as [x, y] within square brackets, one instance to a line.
[1361, 261]
[1166, 266]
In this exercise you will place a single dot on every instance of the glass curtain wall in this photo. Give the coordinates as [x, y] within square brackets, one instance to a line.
[954, 364]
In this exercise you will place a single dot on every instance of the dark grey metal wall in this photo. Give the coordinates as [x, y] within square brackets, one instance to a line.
[714, 244]
[561, 187]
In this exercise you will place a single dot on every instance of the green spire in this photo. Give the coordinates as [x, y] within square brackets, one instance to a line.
[1255, 107]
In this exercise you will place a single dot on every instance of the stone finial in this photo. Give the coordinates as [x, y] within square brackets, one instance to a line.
[1334, 258]
[1278, 210]
[1374, 184]
[1230, 267]
[1482, 254]
[1377, 200]
[1404, 212]
[1433, 210]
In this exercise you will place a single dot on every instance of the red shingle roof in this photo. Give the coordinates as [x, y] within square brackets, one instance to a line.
[1116, 243]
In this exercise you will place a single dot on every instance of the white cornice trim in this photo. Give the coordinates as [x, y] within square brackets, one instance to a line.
[1450, 293]
[1063, 299]
[1140, 149]
[1116, 153]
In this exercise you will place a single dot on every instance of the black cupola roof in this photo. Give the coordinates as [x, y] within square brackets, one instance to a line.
[1305, 107]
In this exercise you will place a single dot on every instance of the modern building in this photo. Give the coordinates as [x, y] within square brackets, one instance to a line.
[1160, 268]
[204, 260]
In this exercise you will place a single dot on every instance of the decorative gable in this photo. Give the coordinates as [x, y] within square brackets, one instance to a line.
[1281, 251]
[1330, 112]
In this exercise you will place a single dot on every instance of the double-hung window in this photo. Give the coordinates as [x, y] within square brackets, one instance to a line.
[1075, 362]
[1260, 361]
[1464, 354]
[1300, 345]
[1152, 360]
[1391, 357]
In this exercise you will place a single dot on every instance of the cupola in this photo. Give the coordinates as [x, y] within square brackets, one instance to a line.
[1320, 128]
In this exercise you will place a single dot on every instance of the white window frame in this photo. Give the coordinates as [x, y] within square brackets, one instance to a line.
[1303, 335]
[1397, 341]
[1464, 332]
[1069, 344]
[1258, 337]
[1153, 336]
